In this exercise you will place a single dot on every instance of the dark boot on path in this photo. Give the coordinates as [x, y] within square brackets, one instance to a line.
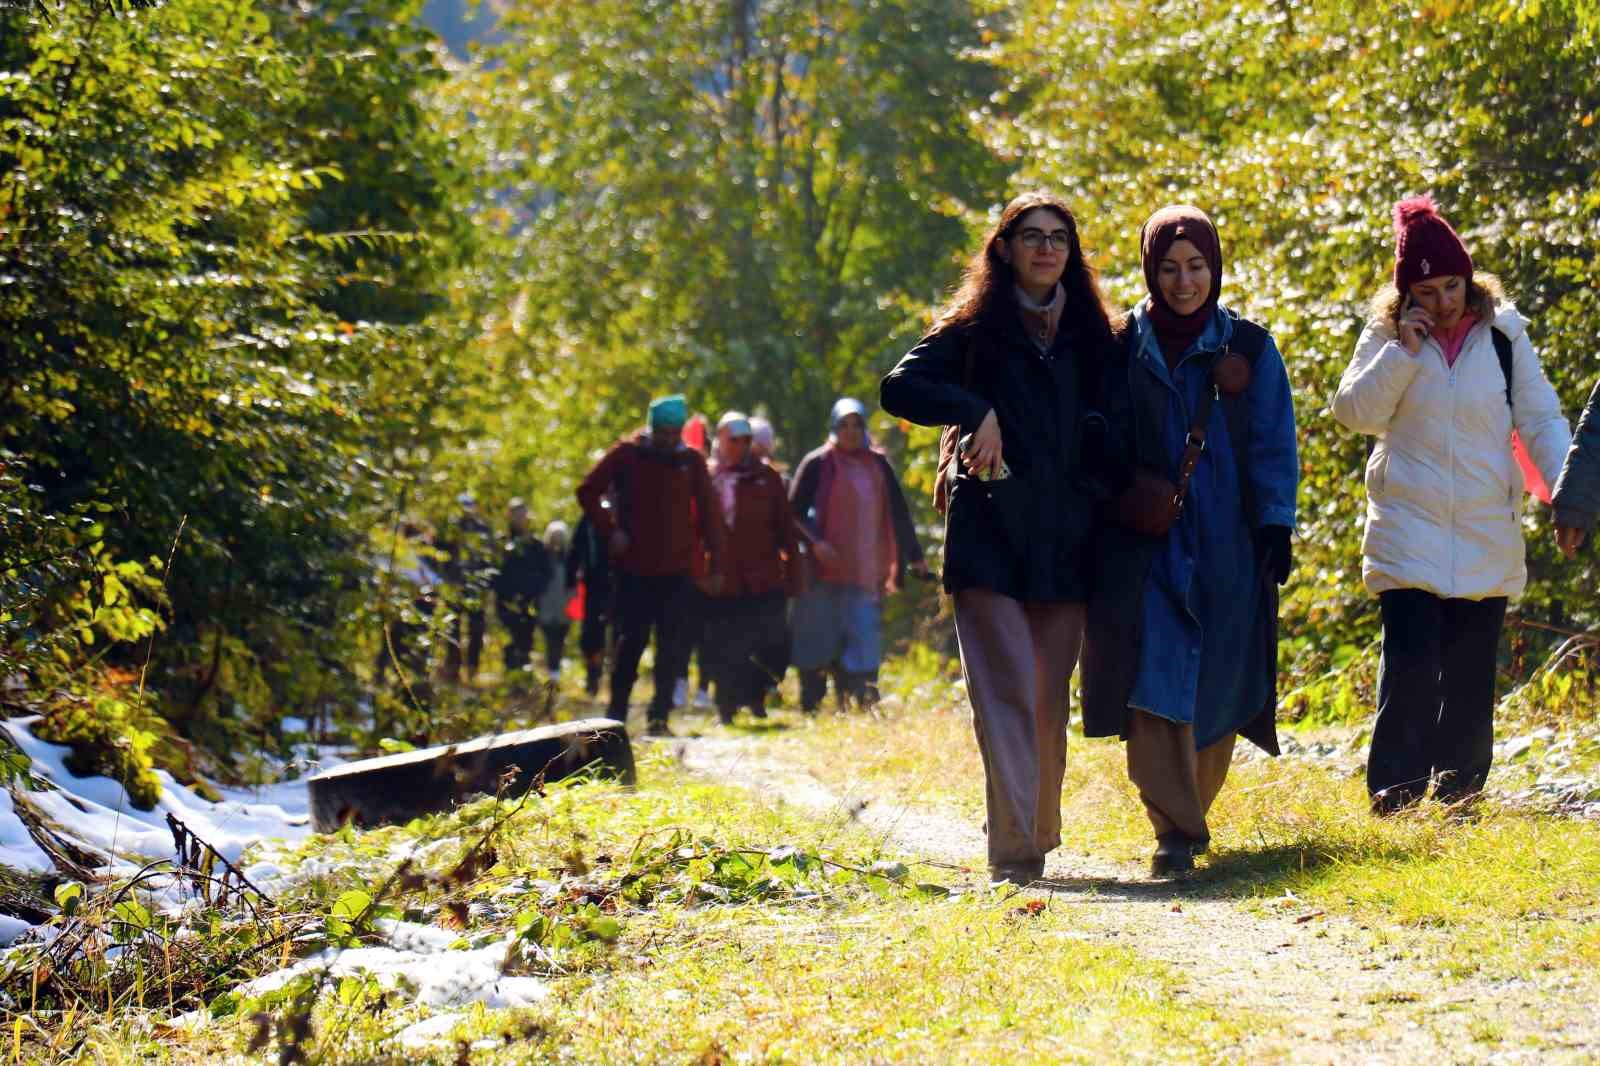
[1174, 855]
[1024, 872]
[813, 687]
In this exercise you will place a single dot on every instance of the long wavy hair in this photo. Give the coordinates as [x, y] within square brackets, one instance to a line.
[985, 292]
[1484, 295]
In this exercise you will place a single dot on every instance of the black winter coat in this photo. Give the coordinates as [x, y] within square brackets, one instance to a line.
[525, 570]
[1023, 536]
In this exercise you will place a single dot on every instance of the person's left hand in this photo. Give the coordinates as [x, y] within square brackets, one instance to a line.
[1275, 552]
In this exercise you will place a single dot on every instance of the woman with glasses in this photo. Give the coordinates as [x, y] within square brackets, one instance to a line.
[1009, 361]
[1180, 650]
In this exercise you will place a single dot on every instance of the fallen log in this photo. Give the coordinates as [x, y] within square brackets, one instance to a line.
[397, 788]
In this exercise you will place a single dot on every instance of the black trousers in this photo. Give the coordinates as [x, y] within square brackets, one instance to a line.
[555, 639]
[519, 643]
[695, 618]
[1435, 697]
[642, 604]
[739, 635]
[594, 638]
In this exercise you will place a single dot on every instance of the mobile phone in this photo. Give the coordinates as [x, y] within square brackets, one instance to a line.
[964, 445]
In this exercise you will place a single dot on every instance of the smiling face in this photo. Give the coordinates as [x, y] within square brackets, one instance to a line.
[1184, 278]
[1038, 268]
[1443, 297]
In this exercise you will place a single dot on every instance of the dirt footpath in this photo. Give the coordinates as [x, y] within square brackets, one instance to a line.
[1342, 998]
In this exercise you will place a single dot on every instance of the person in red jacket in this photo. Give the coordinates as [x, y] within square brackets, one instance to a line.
[665, 516]
[749, 614]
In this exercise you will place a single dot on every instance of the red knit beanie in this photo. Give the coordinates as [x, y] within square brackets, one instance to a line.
[1425, 246]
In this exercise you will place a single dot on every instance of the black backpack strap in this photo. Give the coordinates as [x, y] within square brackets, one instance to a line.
[1248, 340]
[1502, 351]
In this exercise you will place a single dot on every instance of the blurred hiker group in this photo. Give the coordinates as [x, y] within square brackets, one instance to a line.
[1120, 499]
[693, 537]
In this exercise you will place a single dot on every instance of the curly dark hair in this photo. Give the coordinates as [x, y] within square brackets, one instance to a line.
[985, 290]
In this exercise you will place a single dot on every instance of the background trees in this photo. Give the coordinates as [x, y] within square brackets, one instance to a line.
[278, 275]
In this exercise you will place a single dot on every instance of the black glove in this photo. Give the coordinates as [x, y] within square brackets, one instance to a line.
[1274, 553]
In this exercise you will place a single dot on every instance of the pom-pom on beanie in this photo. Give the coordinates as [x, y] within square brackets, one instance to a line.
[1425, 246]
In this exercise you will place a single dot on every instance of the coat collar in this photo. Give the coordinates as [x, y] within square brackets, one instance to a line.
[1218, 332]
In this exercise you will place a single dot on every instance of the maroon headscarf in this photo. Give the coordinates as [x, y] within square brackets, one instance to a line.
[1168, 226]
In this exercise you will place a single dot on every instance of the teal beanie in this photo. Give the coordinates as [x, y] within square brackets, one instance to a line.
[669, 412]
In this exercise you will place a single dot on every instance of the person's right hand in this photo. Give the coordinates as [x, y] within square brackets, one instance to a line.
[824, 553]
[1569, 539]
[1414, 325]
[619, 543]
[983, 455]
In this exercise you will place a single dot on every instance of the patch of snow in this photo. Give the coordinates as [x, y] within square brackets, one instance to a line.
[440, 977]
[97, 811]
[430, 1031]
[11, 928]
[18, 849]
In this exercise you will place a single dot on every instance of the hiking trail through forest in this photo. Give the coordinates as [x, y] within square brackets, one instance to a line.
[1339, 993]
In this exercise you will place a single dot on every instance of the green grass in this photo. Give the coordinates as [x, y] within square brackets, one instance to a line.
[727, 950]
[829, 964]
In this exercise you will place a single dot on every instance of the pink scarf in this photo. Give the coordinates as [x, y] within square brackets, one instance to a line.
[1451, 340]
[725, 481]
[855, 519]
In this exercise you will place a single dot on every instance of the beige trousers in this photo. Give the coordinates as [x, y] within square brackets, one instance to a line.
[1177, 783]
[1018, 658]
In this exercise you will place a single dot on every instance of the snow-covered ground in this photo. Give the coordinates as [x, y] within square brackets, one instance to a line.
[96, 814]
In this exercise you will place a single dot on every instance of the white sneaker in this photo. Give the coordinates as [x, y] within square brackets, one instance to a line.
[555, 675]
[702, 698]
[680, 692]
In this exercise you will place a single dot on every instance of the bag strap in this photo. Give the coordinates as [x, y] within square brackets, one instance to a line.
[1194, 445]
[1248, 340]
[1503, 351]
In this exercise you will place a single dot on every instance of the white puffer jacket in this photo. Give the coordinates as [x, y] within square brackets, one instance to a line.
[1444, 495]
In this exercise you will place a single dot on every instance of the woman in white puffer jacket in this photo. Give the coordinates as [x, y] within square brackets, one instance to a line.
[1443, 548]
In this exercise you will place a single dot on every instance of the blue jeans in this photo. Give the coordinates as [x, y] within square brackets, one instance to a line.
[838, 624]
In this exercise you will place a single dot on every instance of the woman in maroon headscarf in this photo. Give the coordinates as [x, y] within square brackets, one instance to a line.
[1180, 646]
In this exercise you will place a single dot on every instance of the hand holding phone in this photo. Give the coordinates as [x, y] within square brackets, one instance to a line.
[980, 450]
[1414, 324]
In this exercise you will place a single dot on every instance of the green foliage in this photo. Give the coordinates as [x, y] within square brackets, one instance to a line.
[109, 737]
[227, 237]
[753, 202]
[62, 592]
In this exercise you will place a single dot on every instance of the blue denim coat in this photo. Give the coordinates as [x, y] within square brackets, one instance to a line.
[1198, 631]
[1577, 491]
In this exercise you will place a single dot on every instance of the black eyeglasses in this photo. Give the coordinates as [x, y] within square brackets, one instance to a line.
[1059, 239]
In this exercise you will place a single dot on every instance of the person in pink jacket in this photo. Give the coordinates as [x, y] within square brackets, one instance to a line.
[1441, 376]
